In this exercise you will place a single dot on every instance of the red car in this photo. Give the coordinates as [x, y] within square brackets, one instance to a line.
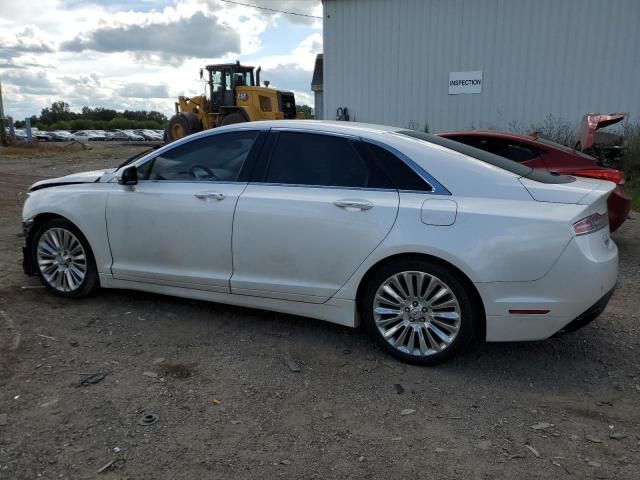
[544, 154]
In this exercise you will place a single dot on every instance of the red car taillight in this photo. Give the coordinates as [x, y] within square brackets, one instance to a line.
[592, 223]
[611, 175]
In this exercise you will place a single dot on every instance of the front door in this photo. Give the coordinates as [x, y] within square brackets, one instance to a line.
[174, 226]
[319, 210]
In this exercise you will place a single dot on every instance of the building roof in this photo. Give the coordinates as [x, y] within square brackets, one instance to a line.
[316, 81]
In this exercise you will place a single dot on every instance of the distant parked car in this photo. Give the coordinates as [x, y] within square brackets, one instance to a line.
[85, 136]
[42, 136]
[61, 136]
[99, 133]
[20, 134]
[146, 134]
[133, 136]
[542, 154]
[124, 136]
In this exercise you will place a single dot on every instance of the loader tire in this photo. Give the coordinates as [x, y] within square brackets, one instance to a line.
[235, 117]
[181, 125]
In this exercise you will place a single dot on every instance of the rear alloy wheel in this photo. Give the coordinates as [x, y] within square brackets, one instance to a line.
[419, 312]
[64, 259]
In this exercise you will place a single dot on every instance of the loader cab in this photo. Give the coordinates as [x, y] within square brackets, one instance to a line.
[224, 79]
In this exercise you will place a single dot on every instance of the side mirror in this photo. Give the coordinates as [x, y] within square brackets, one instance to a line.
[129, 176]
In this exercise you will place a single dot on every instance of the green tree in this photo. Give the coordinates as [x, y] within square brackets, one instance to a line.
[306, 109]
[60, 117]
[59, 111]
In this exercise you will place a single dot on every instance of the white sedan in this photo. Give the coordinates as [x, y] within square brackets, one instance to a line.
[84, 136]
[427, 242]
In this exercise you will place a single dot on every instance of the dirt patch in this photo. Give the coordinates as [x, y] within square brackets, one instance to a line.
[177, 370]
[226, 404]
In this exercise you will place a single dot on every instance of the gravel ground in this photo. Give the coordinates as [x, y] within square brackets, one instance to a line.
[217, 382]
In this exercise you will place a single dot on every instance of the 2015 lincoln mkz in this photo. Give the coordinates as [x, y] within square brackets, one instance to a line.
[426, 242]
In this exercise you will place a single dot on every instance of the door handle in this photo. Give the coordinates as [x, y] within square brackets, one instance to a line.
[359, 204]
[214, 195]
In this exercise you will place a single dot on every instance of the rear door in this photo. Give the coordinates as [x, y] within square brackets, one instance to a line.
[315, 210]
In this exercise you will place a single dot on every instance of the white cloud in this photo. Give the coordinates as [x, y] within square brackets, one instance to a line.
[196, 36]
[142, 54]
[142, 90]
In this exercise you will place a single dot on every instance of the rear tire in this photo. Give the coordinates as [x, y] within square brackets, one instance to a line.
[64, 260]
[181, 125]
[419, 311]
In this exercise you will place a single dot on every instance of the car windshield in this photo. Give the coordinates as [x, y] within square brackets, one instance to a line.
[564, 148]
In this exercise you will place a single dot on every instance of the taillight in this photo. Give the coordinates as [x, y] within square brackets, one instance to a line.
[590, 224]
[611, 175]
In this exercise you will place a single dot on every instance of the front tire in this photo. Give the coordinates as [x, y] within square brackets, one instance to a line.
[64, 260]
[419, 311]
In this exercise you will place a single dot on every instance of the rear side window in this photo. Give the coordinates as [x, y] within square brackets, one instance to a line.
[395, 168]
[321, 160]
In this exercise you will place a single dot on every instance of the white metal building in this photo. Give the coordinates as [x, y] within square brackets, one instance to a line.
[413, 62]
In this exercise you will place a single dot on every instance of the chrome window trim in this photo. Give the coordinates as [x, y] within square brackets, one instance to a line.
[213, 182]
[327, 187]
[436, 187]
[315, 132]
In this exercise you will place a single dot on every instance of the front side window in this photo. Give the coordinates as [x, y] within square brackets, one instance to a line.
[320, 160]
[213, 158]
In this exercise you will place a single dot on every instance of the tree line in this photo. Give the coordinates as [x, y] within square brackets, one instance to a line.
[60, 117]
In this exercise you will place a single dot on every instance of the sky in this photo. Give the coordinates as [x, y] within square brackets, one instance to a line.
[143, 54]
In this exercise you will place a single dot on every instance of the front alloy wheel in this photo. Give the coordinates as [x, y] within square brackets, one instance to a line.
[64, 259]
[61, 259]
[419, 311]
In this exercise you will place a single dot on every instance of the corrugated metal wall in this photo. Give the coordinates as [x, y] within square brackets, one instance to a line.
[389, 61]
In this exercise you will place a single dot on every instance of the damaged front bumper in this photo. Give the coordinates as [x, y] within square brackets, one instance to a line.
[28, 264]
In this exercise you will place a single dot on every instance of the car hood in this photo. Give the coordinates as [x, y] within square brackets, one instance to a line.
[80, 177]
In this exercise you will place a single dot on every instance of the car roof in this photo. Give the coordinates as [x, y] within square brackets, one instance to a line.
[326, 125]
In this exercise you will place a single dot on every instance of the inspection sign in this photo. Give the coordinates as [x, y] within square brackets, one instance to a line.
[465, 82]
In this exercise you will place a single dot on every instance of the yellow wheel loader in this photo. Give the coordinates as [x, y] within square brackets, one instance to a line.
[234, 96]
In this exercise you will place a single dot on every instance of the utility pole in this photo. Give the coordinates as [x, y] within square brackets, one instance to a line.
[3, 135]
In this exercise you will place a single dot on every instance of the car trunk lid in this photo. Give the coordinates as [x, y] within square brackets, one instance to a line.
[582, 191]
[592, 122]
